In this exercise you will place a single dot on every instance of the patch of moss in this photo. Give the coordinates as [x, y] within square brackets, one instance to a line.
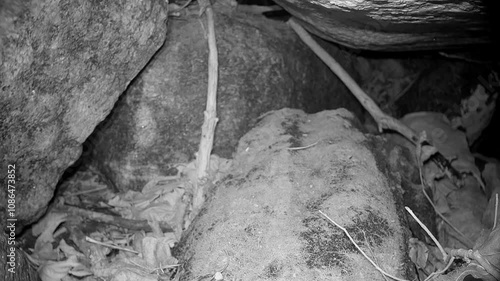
[273, 269]
[371, 228]
[292, 128]
[325, 244]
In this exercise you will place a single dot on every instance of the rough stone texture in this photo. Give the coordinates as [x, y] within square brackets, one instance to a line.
[63, 65]
[395, 25]
[263, 223]
[263, 66]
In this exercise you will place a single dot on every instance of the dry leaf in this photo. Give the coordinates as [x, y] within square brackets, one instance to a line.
[419, 253]
[47, 226]
[55, 271]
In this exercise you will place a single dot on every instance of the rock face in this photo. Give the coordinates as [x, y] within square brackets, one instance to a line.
[263, 223]
[263, 66]
[395, 25]
[63, 66]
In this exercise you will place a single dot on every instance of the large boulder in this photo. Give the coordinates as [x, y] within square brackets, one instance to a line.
[263, 66]
[395, 25]
[63, 65]
[263, 222]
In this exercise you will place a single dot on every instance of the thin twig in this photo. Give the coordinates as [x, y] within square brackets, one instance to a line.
[302, 147]
[88, 239]
[496, 211]
[368, 246]
[85, 191]
[405, 90]
[257, 9]
[361, 251]
[443, 252]
[154, 270]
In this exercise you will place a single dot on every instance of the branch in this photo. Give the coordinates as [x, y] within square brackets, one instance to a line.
[210, 113]
[114, 220]
[383, 120]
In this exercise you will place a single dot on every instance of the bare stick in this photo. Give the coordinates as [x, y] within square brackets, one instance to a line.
[496, 211]
[210, 113]
[151, 270]
[256, 9]
[371, 252]
[302, 147]
[114, 220]
[361, 251]
[85, 191]
[443, 252]
[109, 245]
[405, 90]
[383, 120]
